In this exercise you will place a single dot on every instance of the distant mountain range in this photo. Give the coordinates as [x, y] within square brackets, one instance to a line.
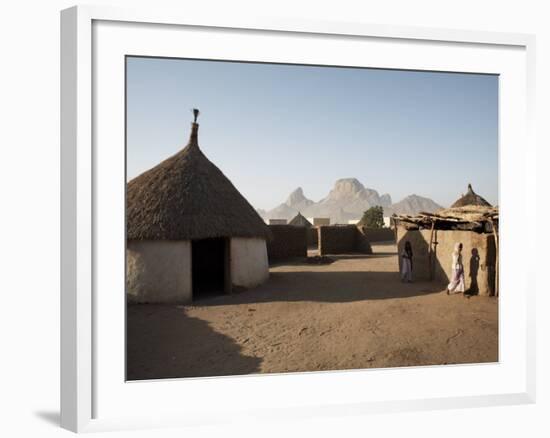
[347, 200]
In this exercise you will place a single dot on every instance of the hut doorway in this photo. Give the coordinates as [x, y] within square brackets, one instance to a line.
[210, 267]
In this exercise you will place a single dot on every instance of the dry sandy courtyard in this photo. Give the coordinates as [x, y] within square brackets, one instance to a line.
[353, 313]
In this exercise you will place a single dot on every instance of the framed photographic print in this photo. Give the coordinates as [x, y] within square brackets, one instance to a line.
[290, 218]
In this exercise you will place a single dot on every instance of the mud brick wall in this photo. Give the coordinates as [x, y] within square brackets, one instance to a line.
[287, 242]
[342, 239]
[379, 234]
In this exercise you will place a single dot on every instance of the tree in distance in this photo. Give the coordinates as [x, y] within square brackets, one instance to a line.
[373, 217]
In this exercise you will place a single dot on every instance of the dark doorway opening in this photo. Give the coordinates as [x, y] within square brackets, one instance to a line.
[210, 267]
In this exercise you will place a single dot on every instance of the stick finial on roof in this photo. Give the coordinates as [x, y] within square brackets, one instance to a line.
[194, 137]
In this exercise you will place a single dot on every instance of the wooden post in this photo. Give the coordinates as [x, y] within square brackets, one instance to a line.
[430, 251]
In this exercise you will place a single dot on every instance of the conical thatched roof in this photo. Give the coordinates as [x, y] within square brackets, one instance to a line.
[300, 221]
[470, 198]
[187, 197]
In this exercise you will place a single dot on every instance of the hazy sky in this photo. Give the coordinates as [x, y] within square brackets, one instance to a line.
[272, 128]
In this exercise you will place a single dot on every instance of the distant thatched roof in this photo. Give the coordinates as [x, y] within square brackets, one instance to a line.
[300, 221]
[471, 218]
[470, 198]
[187, 197]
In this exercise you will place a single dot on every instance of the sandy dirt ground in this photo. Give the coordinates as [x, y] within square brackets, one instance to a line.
[353, 313]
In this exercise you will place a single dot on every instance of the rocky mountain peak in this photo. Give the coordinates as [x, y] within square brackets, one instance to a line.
[385, 200]
[347, 200]
[413, 204]
[296, 197]
[348, 186]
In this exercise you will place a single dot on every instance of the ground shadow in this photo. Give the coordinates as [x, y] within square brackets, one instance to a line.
[294, 261]
[380, 254]
[164, 342]
[360, 255]
[327, 287]
[302, 261]
[51, 417]
[474, 269]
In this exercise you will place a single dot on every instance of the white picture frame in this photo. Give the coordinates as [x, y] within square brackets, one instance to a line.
[91, 37]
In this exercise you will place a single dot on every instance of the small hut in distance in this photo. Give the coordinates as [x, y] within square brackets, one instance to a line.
[471, 221]
[300, 221]
[190, 231]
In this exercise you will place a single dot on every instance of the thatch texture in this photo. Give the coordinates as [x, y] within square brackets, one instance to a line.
[470, 198]
[300, 221]
[187, 197]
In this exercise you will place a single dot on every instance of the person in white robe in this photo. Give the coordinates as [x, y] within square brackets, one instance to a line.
[457, 284]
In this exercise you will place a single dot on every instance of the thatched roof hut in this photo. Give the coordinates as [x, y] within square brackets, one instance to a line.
[190, 232]
[300, 221]
[470, 198]
[188, 197]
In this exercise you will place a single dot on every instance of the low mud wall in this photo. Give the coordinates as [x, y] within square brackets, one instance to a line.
[379, 234]
[342, 239]
[287, 242]
[478, 257]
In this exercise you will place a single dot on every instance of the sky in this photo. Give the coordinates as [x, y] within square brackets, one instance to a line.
[273, 127]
